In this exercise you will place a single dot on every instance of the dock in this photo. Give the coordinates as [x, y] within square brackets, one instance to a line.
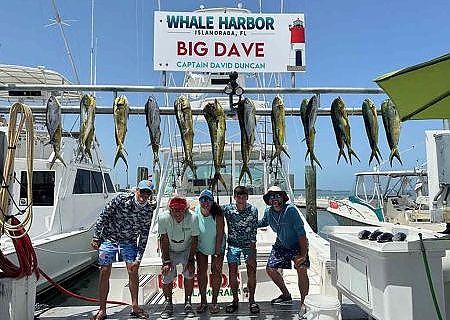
[321, 203]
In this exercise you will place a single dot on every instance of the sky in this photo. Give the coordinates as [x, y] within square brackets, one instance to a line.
[348, 44]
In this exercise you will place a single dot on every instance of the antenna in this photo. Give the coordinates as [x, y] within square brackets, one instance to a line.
[57, 20]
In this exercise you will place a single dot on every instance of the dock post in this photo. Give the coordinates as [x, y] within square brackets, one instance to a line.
[311, 201]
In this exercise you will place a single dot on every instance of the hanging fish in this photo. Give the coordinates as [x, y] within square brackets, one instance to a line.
[278, 128]
[369, 112]
[341, 126]
[391, 123]
[87, 131]
[308, 114]
[153, 123]
[183, 113]
[121, 110]
[246, 112]
[215, 117]
[54, 128]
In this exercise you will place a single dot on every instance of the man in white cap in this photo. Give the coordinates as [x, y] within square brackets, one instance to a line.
[123, 227]
[178, 235]
[291, 244]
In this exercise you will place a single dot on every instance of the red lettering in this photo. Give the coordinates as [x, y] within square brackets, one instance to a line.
[234, 51]
[190, 48]
[180, 281]
[247, 50]
[219, 49]
[259, 49]
[181, 48]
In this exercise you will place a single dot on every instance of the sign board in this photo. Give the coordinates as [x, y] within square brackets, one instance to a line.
[218, 41]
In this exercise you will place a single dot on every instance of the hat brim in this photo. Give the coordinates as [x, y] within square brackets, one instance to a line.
[283, 194]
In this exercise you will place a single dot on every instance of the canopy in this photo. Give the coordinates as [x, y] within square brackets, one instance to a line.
[421, 91]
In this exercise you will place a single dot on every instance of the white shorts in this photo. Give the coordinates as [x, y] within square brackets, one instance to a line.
[177, 258]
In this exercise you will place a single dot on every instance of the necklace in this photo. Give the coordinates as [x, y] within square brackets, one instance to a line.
[277, 221]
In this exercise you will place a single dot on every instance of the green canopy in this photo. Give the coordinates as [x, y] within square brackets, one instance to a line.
[421, 91]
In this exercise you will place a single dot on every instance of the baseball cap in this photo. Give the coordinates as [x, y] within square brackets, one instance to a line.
[206, 194]
[145, 185]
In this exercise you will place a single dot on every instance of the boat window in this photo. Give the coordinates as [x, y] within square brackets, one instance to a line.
[43, 188]
[109, 184]
[90, 182]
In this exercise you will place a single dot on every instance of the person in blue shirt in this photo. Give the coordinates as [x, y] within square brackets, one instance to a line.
[291, 244]
[211, 242]
[242, 223]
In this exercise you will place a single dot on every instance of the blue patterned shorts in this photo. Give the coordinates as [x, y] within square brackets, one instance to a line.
[281, 257]
[110, 252]
[234, 254]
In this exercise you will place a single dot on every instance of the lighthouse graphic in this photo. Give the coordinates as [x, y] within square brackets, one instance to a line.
[297, 52]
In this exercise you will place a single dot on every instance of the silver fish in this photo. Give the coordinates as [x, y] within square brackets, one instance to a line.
[369, 112]
[54, 127]
[341, 126]
[87, 132]
[391, 123]
[153, 123]
[278, 128]
[308, 114]
[247, 123]
[183, 113]
[215, 117]
[121, 110]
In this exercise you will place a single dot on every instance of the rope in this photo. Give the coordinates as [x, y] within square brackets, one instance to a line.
[14, 130]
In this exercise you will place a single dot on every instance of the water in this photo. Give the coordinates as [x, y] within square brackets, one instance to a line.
[86, 283]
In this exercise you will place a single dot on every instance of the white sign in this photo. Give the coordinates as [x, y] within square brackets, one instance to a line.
[224, 42]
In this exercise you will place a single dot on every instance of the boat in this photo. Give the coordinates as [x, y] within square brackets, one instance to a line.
[394, 196]
[66, 199]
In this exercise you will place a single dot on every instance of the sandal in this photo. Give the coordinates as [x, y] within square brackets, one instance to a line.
[254, 308]
[99, 316]
[231, 308]
[202, 307]
[282, 300]
[140, 314]
[214, 308]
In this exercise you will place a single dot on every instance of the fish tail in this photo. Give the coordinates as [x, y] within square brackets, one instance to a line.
[306, 155]
[395, 153]
[218, 177]
[57, 155]
[285, 151]
[352, 152]
[341, 153]
[245, 169]
[313, 158]
[119, 154]
[156, 162]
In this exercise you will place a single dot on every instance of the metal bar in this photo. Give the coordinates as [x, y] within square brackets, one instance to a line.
[162, 89]
[136, 110]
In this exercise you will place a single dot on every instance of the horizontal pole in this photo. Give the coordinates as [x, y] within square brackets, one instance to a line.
[163, 89]
[137, 110]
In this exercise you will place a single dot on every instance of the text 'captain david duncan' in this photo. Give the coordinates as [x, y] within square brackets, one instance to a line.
[223, 22]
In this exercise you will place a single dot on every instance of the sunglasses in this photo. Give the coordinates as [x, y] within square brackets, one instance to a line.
[204, 200]
[275, 196]
[147, 192]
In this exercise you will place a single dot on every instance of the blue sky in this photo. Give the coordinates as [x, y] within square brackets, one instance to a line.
[348, 44]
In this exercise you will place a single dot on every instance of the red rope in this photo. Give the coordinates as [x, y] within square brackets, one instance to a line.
[28, 264]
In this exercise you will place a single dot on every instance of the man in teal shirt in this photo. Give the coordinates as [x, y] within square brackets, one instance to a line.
[291, 244]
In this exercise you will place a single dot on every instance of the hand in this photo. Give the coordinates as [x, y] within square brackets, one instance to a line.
[298, 260]
[94, 244]
[166, 269]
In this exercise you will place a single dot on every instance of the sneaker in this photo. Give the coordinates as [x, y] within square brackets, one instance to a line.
[168, 310]
[282, 300]
[189, 312]
[301, 313]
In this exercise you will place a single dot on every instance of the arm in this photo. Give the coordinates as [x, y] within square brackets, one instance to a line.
[220, 230]
[143, 235]
[165, 257]
[264, 222]
[103, 217]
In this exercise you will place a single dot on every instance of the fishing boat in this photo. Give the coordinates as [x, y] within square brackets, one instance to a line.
[66, 199]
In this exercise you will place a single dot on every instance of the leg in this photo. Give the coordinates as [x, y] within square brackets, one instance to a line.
[103, 287]
[277, 278]
[251, 283]
[133, 281]
[303, 283]
[216, 270]
[233, 273]
[202, 277]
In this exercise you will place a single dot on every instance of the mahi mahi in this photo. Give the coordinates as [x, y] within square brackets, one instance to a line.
[308, 114]
[121, 110]
[183, 113]
[87, 105]
[341, 126]
[278, 128]
[54, 128]
[247, 123]
[215, 117]
[391, 123]
[369, 112]
[153, 123]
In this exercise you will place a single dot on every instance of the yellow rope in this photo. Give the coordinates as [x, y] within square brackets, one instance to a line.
[14, 130]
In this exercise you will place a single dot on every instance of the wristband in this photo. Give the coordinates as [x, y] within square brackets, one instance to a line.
[167, 263]
[216, 255]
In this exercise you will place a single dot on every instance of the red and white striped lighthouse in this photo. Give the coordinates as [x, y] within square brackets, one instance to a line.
[297, 54]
